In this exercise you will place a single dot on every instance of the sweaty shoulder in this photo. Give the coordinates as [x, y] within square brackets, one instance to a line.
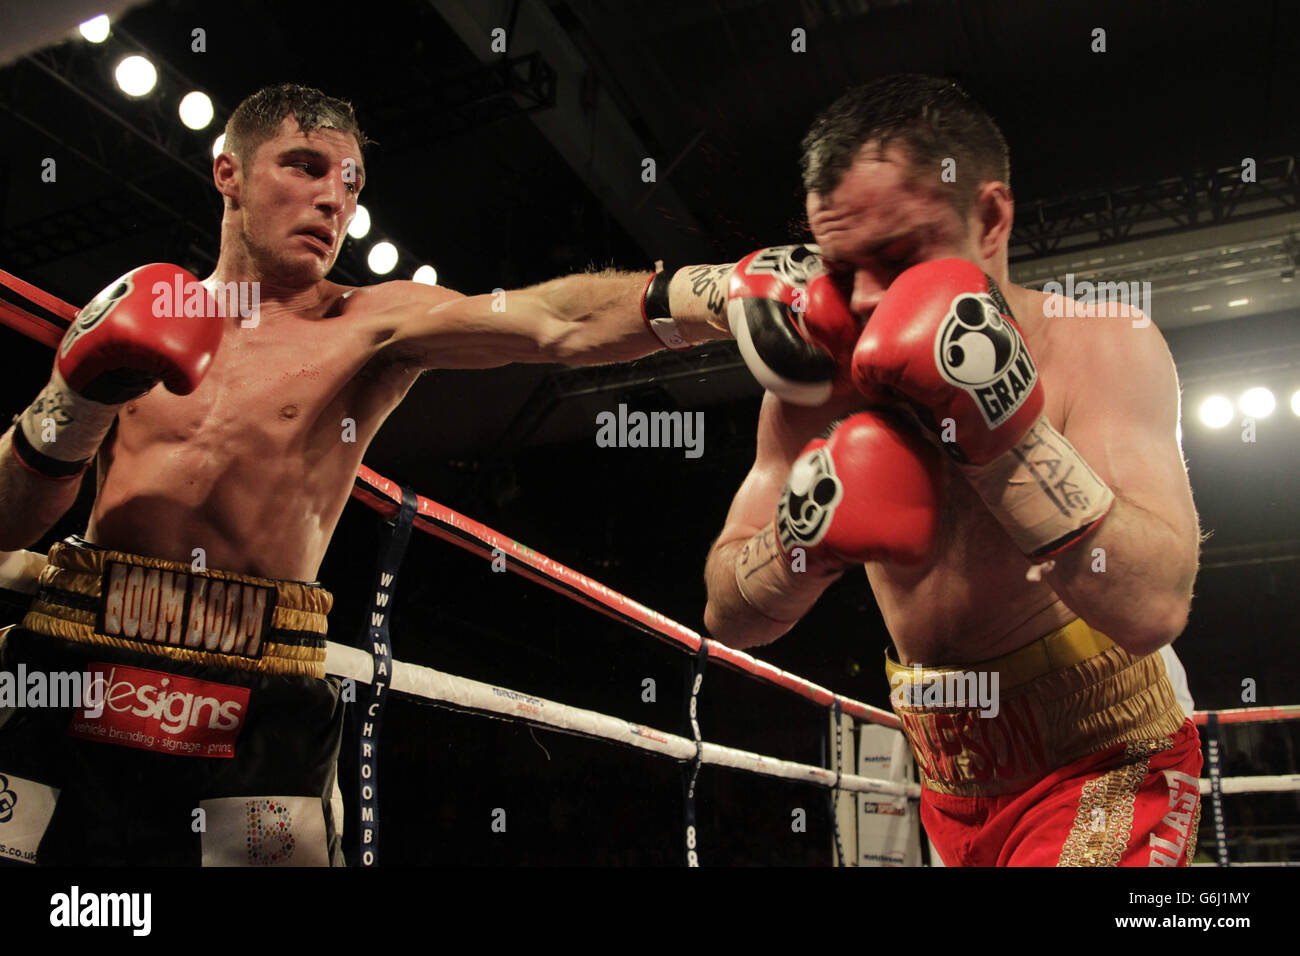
[389, 295]
[387, 305]
[1100, 347]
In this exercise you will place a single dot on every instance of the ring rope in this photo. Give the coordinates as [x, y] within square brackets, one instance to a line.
[462, 693]
[1247, 715]
[1259, 783]
[379, 493]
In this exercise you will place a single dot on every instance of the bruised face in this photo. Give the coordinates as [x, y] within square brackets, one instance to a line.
[882, 219]
[296, 198]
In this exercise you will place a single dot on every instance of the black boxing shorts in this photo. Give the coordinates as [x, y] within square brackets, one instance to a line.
[151, 714]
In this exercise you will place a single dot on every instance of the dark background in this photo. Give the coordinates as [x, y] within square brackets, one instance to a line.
[466, 175]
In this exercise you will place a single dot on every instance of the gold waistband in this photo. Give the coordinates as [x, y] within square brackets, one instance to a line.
[218, 618]
[1016, 718]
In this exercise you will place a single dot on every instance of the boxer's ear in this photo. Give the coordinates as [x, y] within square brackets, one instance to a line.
[228, 177]
[990, 218]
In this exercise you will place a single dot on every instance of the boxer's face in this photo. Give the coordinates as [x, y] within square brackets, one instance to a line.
[878, 222]
[297, 201]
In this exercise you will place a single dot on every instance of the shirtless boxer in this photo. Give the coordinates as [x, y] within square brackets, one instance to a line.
[216, 694]
[977, 564]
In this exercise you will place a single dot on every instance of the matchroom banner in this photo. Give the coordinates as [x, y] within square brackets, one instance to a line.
[889, 828]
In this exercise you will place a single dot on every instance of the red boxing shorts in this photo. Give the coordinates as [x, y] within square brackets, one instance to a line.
[169, 717]
[1067, 752]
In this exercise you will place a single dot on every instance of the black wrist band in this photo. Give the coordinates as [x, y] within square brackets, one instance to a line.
[656, 314]
[654, 303]
[41, 463]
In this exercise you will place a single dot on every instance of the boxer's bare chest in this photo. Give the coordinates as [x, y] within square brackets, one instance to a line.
[973, 599]
[271, 388]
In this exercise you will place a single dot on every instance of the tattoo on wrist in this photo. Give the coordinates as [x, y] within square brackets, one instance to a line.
[710, 284]
[53, 405]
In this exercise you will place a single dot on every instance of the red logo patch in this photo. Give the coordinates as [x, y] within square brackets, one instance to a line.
[163, 712]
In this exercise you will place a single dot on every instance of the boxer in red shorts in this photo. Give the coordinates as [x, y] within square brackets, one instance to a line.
[1006, 469]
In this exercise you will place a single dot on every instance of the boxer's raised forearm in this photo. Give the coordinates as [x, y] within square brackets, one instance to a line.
[728, 617]
[1131, 578]
[774, 597]
[30, 504]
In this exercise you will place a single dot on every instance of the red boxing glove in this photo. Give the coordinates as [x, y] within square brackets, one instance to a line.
[867, 492]
[792, 324]
[123, 343]
[154, 323]
[943, 338]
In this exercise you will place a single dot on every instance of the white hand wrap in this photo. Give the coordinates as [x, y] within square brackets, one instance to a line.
[21, 570]
[1042, 491]
[771, 587]
[62, 425]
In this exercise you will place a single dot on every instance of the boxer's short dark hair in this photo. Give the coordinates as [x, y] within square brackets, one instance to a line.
[932, 118]
[259, 116]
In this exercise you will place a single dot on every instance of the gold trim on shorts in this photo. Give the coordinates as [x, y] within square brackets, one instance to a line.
[1103, 821]
[216, 618]
[1068, 694]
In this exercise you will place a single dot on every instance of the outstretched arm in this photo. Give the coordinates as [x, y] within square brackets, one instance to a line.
[587, 319]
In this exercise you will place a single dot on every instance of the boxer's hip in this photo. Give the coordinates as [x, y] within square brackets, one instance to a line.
[997, 726]
[95, 596]
[209, 693]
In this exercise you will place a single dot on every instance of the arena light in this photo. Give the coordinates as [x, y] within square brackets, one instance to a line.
[196, 110]
[426, 274]
[1257, 403]
[1216, 411]
[1237, 302]
[95, 29]
[382, 258]
[218, 145]
[135, 76]
[359, 227]
[1295, 402]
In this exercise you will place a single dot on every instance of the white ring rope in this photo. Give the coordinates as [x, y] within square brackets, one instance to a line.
[1279, 783]
[426, 683]
[461, 692]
